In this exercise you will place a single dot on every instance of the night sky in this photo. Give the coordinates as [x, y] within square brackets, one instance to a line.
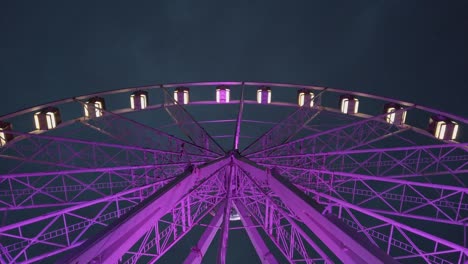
[415, 51]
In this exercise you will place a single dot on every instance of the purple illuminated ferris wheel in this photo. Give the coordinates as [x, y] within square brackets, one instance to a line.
[174, 173]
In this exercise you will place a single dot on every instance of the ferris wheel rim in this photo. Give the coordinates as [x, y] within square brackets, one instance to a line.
[252, 102]
[233, 83]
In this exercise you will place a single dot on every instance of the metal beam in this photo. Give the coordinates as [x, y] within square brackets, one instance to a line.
[283, 131]
[50, 152]
[239, 120]
[227, 212]
[348, 136]
[135, 133]
[198, 252]
[266, 257]
[278, 221]
[398, 162]
[340, 242]
[191, 128]
[116, 240]
[398, 199]
[417, 236]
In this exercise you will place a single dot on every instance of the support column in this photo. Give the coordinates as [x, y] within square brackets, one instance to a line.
[122, 235]
[262, 250]
[340, 242]
[197, 253]
[227, 213]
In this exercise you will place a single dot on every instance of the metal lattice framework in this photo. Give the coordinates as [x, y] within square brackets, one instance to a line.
[306, 183]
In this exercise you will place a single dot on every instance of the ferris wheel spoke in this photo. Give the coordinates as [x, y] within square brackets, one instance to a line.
[49, 153]
[186, 214]
[392, 197]
[283, 131]
[66, 227]
[350, 136]
[189, 126]
[409, 163]
[312, 217]
[398, 239]
[134, 133]
[277, 221]
[152, 210]
[29, 190]
[328, 175]
[199, 250]
[18, 201]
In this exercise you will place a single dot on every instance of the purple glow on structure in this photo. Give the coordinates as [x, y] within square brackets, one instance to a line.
[324, 184]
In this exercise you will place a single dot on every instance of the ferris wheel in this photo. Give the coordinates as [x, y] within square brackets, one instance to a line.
[215, 171]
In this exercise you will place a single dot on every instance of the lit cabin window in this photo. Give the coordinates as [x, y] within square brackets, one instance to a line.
[455, 131]
[264, 95]
[395, 112]
[37, 124]
[181, 95]
[94, 107]
[50, 117]
[139, 100]
[47, 118]
[223, 94]
[443, 128]
[305, 97]
[349, 104]
[234, 215]
[5, 137]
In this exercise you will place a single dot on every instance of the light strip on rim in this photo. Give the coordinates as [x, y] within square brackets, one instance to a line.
[98, 108]
[455, 130]
[217, 95]
[36, 120]
[86, 111]
[143, 101]
[2, 138]
[356, 105]
[301, 99]
[344, 105]
[186, 97]
[132, 101]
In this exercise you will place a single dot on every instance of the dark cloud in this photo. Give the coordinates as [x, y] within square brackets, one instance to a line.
[415, 51]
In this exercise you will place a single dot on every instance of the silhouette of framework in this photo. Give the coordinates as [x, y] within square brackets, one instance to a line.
[316, 186]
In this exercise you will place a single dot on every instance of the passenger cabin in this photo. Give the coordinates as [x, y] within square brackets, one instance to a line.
[305, 97]
[94, 107]
[139, 100]
[234, 215]
[47, 118]
[443, 128]
[349, 104]
[264, 95]
[396, 114]
[5, 137]
[223, 94]
[181, 95]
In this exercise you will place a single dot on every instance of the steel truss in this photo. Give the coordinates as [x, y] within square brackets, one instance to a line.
[134, 133]
[311, 189]
[401, 162]
[66, 228]
[349, 136]
[400, 240]
[165, 217]
[191, 128]
[118, 166]
[284, 131]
